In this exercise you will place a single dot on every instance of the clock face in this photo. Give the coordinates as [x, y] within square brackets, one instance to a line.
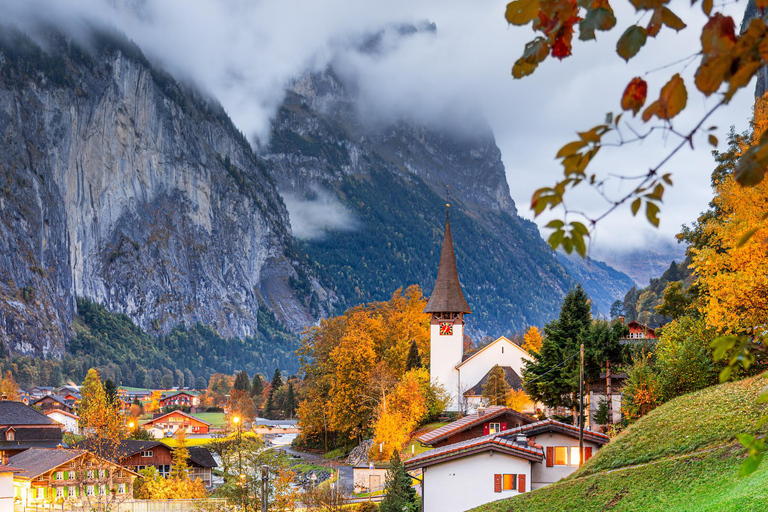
[446, 328]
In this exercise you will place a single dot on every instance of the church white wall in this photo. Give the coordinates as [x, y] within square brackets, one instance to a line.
[444, 355]
[465, 483]
[502, 352]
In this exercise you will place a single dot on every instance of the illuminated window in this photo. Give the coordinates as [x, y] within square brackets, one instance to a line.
[509, 483]
[561, 456]
[494, 428]
[574, 458]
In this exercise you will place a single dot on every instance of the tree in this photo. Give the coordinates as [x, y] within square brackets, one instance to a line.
[495, 389]
[167, 381]
[552, 376]
[677, 302]
[200, 383]
[617, 309]
[241, 404]
[517, 399]
[243, 382]
[257, 386]
[277, 380]
[110, 390]
[180, 467]
[400, 495]
[728, 63]
[9, 388]
[532, 340]
[414, 359]
[290, 402]
[642, 390]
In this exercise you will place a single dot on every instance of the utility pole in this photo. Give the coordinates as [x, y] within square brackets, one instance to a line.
[264, 489]
[581, 407]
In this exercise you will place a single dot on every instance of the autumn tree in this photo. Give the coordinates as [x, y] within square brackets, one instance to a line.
[240, 404]
[9, 388]
[495, 389]
[532, 340]
[517, 399]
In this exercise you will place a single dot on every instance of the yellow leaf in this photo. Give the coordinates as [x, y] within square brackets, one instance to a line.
[522, 12]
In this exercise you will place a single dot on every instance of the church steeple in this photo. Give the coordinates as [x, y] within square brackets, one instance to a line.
[447, 296]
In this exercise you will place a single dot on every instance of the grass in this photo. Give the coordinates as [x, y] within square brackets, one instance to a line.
[216, 419]
[697, 483]
[710, 417]
[336, 453]
[682, 457]
[416, 445]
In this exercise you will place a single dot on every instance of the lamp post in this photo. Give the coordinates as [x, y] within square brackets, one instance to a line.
[241, 482]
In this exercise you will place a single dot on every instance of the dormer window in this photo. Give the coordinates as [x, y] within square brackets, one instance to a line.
[10, 434]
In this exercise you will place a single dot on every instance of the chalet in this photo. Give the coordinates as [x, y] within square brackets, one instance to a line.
[70, 393]
[40, 391]
[49, 402]
[69, 422]
[22, 428]
[180, 399]
[485, 421]
[169, 423]
[463, 375]
[128, 395]
[75, 476]
[500, 465]
[7, 497]
[638, 331]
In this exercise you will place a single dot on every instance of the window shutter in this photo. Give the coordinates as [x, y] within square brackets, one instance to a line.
[503, 427]
[520, 483]
[550, 456]
[587, 453]
[496, 483]
[485, 429]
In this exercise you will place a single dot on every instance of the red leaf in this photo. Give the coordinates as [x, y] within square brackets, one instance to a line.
[635, 95]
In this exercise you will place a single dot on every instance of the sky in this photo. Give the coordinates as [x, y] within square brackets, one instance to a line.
[243, 52]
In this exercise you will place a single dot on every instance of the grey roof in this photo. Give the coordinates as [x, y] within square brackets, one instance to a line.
[18, 413]
[126, 448]
[36, 461]
[57, 398]
[201, 456]
[513, 380]
[447, 296]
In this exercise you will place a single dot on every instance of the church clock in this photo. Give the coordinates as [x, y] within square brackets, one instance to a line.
[446, 328]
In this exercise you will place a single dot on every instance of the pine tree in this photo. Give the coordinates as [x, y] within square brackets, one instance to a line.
[496, 388]
[414, 359]
[277, 381]
[111, 391]
[290, 402]
[243, 382]
[400, 495]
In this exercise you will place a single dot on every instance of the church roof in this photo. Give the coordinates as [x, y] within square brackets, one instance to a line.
[447, 296]
[510, 375]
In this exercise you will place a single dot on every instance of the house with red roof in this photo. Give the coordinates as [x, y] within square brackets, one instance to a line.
[485, 421]
[169, 423]
[468, 473]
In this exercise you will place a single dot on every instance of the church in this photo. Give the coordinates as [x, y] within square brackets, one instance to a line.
[463, 375]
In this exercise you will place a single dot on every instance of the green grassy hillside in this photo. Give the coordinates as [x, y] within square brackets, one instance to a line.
[681, 457]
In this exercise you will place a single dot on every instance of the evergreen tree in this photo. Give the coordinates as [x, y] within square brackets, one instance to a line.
[414, 359]
[617, 308]
[243, 382]
[201, 383]
[496, 388]
[277, 381]
[257, 386]
[290, 402]
[400, 495]
[552, 377]
[111, 391]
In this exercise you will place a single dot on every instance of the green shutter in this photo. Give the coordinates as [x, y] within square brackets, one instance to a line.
[106, 473]
[66, 492]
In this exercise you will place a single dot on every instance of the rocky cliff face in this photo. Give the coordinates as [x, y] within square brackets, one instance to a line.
[120, 186]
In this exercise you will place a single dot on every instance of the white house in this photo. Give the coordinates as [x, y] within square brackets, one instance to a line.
[68, 420]
[469, 473]
[6, 488]
[463, 377]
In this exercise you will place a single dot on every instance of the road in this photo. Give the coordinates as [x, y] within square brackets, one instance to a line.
[346, 478]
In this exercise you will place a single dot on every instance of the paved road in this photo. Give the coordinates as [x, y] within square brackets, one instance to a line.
[345, 471]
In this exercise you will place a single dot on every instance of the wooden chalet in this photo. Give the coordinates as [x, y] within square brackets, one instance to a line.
[172, 421]
[23, 427]
[491, 420]
[180, 399]
[638, 331]
[49, 402]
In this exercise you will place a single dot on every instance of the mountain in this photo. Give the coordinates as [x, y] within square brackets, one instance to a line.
[643, 263]
[393, 180]
[123, 189]
[121, 186]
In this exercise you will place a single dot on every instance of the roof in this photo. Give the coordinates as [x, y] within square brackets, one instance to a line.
[36, 461]
[201, 456]
[447, 296]
[18, 413]
[153, 420]
[504, 442]
[62, 412]
[468, 422]
[177, 393]
[510, 375]
[57, 398]
[490, 442]
[9, 469]
[500, 339]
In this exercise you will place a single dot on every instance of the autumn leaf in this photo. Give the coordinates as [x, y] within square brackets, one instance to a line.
[535, 52]
[631, 41]
[634, 95]
[522, 12]
[671, 20]
[711, 73]
[596, 19]
[718, 35]
[655, 24]
[672, 100]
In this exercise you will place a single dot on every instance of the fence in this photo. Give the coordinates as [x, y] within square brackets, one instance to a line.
[200, 505]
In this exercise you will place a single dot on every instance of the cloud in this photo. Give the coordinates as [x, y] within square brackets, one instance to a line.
[244, 52]
[311, 218]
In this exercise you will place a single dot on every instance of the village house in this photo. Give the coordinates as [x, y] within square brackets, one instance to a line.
[139, 455]
[40, 391]
[23, 427]
[638, 331]
[485, 421]
[167, 424]
[6, 488]
[69, 422]
[70, 393]
[464, 376]
[49, 402]
[478, 470]
[180, 399]
[57, 475]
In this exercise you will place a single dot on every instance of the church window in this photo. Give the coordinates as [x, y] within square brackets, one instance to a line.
[446, 329]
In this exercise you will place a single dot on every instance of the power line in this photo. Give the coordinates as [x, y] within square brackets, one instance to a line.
[554, 368]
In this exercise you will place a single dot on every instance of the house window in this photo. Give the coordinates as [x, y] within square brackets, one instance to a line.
[59, 475]
[102, 489]
[59, 492]
[10, 435]
[574, 456]
[41, 478]
[494, 428]
[566, 455]
[89, 473]
[121, 488]
[164, 470]
[73, 491]
[509, 483]
[89, 490]
[147, 453]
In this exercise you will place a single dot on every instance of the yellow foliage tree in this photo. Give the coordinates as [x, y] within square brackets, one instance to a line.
[518, 400]
[9, 388]
[733, 266]
[532, 340]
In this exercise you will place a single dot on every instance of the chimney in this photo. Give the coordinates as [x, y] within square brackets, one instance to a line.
[480, 411]
[4, 397]
[522, 439]
[621, 319]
